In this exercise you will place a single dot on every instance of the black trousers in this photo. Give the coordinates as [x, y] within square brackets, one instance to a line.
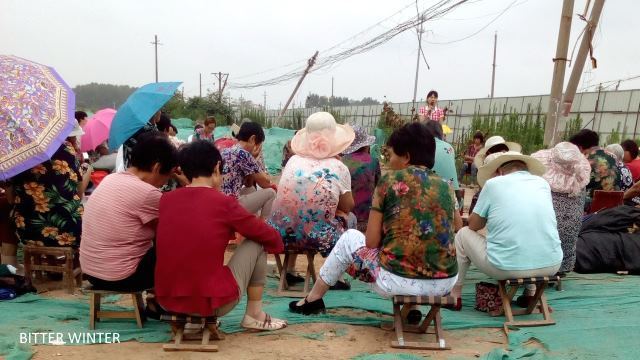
[141, 279]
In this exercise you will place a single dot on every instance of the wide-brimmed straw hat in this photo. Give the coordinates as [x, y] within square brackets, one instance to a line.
[491, 142]
[361, 140]
[322, 137]
[494, 161]
[568, 171]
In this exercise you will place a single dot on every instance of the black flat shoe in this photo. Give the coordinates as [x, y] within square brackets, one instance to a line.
[308, 308]
[293, 278]
[523, 301]
[414, 316]
[341, 285]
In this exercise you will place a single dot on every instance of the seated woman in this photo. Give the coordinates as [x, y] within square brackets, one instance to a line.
[47, 206]
[314, 196]
[196, 223]
[409, 247]
[365, 174]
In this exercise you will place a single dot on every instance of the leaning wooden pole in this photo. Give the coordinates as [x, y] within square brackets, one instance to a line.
[310, 64]
[559, 67]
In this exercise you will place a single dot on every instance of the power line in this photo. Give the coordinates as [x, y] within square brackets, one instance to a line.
[477, 32]
[439, 9]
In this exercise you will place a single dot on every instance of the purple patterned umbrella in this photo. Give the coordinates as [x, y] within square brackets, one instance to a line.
[36, 114]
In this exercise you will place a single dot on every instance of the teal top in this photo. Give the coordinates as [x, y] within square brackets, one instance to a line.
[445, 163]
[522, 233]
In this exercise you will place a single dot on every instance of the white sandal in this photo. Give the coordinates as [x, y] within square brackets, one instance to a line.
[268, 324]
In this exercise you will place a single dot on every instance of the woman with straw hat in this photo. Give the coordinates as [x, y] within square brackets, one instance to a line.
[314, 195]
[568, 174]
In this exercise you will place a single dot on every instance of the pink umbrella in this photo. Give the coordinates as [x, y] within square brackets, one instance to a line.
[97, 129]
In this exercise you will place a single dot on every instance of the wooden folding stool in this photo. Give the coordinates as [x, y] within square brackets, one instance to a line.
[401, 306]
[509, 288]
[210, 330]
[284, 289]
[71, 272]
[95, 301]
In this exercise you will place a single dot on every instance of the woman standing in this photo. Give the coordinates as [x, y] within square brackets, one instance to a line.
[206, 133]
[568, 174]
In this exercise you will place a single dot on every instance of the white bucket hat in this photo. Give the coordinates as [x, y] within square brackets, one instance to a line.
[491, 142]
[322, 137]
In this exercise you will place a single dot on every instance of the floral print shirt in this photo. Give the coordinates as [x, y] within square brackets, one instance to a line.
[365, 173]
[605, 174]
[238, 163]
[304, 211]
[418, 215]
[47, 209]
[200, 135]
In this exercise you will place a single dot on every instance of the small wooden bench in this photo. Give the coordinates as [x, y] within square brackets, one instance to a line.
[71, 272]
[284, 289]
[210, 329]
[401, 306]
[95, 301]
[509, 288]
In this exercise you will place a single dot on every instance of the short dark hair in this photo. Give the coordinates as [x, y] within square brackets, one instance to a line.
[210, 120]
[414, 139]
[496, 149]
[435, 129]
[154, 147]
[479, 135]
[174, 128]
[630, 146]
[248, 129]
[165, 122]
[80, 115]
[199, 158]
[585, 139]
[432, 92]
[198, 126]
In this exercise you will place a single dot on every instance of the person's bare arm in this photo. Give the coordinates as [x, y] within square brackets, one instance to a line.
[346, 203]
[374, 230]
[633, 191]
[261, 179]
[457, 221]
[476, 222]
[84, 183]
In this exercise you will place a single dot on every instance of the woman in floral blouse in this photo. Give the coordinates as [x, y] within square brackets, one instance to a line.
[408, 248]
[47, 208]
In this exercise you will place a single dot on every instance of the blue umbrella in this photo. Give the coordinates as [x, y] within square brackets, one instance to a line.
[138, 109]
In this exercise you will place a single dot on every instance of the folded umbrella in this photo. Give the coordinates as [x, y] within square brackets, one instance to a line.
[138, 109]
[36, 114]
[97, 129]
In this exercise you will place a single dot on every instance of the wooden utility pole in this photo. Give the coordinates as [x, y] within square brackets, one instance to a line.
[415, 83]
[310, 63]
[581, 57]
[493, 72]
[200, 84]
[559, 66]
[156, 43]
[264, 106]
[222, 83]
[331, 91]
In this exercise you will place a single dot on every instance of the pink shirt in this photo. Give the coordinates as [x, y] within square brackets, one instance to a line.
[634, 166]
[117, 226]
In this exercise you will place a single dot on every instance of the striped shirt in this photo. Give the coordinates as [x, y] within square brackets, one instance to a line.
[434, 114]
[118, 226]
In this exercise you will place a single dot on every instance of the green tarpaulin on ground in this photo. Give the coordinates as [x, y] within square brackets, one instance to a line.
[597, 318]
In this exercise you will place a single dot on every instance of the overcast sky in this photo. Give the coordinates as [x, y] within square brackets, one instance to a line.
[109, 42]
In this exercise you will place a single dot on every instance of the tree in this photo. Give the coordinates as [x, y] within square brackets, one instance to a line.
[315, 100]
[96, 96]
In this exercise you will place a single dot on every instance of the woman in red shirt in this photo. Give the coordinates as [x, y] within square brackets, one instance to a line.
[195, 225]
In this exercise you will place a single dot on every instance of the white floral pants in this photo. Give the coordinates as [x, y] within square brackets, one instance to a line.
[386, 283]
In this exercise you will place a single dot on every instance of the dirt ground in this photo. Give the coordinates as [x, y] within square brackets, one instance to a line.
[337, 341]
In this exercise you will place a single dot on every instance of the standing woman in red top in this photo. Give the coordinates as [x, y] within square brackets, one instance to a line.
[195, 225]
